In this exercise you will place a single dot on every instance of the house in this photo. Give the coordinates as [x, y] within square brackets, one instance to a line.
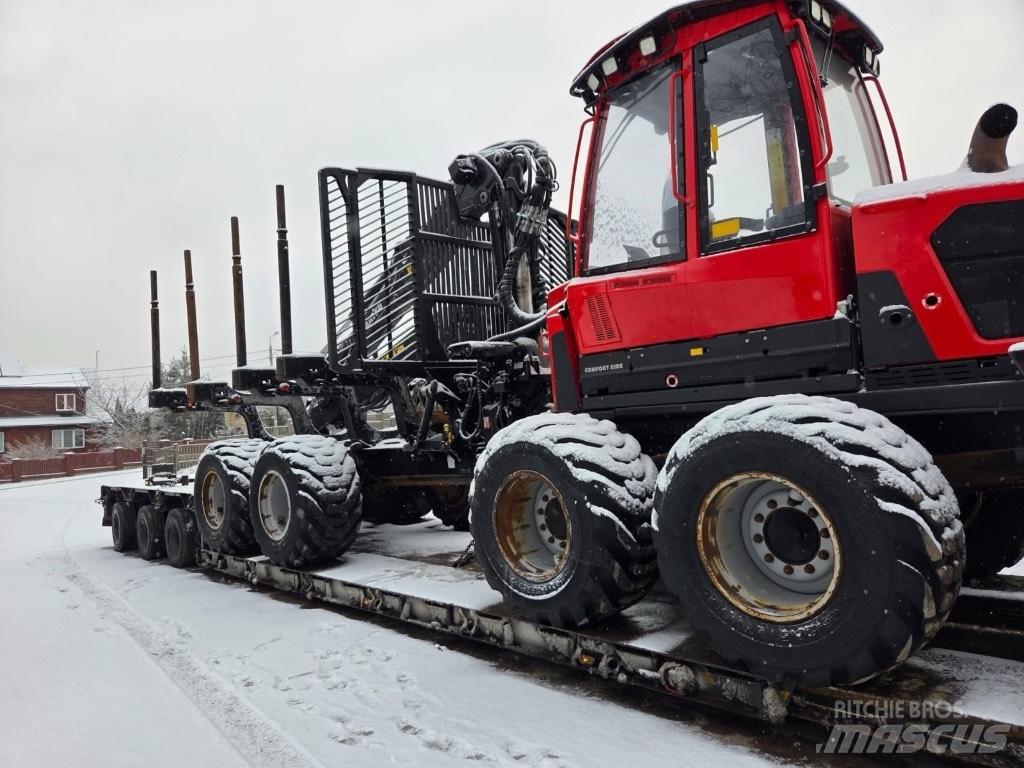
[44, 405]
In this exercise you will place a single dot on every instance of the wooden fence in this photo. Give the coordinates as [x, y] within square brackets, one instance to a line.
[68, 465]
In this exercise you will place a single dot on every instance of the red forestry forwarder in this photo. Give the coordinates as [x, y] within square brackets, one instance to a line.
[765, 372]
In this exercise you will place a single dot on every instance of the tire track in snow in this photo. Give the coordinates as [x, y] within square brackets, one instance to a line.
[256, 738]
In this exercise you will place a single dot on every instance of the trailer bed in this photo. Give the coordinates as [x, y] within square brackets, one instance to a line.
[420, 574]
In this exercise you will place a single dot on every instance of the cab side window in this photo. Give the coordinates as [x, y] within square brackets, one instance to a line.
[754, 148]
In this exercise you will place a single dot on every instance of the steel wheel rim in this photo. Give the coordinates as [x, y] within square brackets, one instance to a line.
[532, 526]
[214, 500]
[274, 505]
[768, 547]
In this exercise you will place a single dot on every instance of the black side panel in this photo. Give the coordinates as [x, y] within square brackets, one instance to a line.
[942, 374]
[889, 330]
[981, 247]
[788, 352]
[567, 396]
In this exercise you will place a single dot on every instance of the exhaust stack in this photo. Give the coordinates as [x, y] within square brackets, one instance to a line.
[236, 282]
[283, 275]
[154, 329]
[190, 314]
[988, 145]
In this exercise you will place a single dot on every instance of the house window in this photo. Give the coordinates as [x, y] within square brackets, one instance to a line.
[65, 403]
[68, 438]
[3, 444]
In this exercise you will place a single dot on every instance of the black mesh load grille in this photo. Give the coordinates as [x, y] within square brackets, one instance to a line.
[981, 248]
[405, 275]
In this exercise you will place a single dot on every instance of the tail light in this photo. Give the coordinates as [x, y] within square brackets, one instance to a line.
[544, 348]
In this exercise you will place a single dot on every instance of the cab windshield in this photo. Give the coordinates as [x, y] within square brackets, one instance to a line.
[635, 214]
[859, 160]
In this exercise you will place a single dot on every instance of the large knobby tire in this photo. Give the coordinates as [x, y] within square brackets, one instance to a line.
[223, 477]
[995, 534]
[149, 530]
[394, 506]
[809, 540]
[560, 506]
[181, 538]
[305, 501]
[122, 526]
[450, 505]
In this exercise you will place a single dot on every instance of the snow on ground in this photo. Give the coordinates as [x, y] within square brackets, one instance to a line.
[107, 659]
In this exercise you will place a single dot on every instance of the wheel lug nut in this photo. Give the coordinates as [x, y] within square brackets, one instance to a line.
[758, 518]
[809, 568]
[758, 538]
[812, 512]
[825, 534]
[772, 504]
[551, 539]
[542, 527]
[823, 555]
[769, 558]
[788, 570]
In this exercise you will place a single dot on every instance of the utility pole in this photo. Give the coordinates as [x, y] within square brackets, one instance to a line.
[270, 348]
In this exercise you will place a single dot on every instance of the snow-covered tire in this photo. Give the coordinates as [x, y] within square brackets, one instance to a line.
[181, 538]
[221, 495]
[305, 500]
[886, 520]
[560, 506]
[995, 536]
[149, 532]
[122, 526]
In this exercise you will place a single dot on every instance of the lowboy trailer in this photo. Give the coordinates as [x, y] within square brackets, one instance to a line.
[956, 691]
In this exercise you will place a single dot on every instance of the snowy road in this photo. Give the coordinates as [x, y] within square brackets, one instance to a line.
[108, 659]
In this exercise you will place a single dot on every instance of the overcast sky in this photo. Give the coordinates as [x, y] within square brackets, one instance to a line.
[132, 129]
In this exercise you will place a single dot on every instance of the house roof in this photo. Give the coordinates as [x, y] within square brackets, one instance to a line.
[10, 422]
[42, 378]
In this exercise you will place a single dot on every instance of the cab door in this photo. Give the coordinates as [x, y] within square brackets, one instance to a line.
[765, 258]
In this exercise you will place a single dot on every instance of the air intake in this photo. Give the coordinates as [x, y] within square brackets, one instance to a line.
[601, 319]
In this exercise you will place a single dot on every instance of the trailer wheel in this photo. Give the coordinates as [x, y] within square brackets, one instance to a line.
[122, 526]
[305, 500]
[995, 536]
[810, 540]
[559, 510]
[181, 537]
[222, 494]
[149, 530]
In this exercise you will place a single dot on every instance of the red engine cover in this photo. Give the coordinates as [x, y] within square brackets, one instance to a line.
[893, 228]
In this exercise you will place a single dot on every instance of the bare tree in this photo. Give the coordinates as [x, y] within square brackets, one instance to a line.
[121, 407]
[128, 422]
